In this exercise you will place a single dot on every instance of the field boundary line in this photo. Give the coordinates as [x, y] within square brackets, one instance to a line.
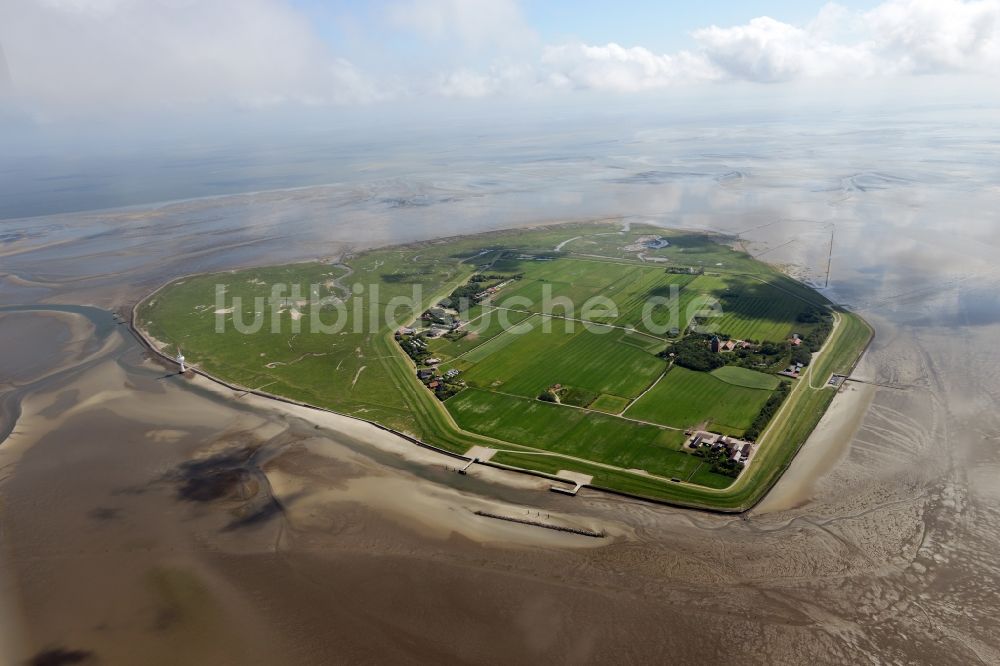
[648, 389]
[585, 409]
[582, 321]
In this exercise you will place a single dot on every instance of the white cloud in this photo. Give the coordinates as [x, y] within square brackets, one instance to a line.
[166, 53]
[613, 67]
[68, 54]
[767, 51]
[899, 37]
[932, 36]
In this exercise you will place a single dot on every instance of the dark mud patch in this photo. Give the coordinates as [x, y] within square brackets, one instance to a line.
[61, 657]
[231, 478]
[229, 475]
[104, 513]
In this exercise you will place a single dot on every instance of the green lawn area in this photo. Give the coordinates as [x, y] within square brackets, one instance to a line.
[510, 335]
[578, 397]
[610, 404]
[661, 291]
[327, 353]
[562, 287]
[573, 432]
[685, 398]
[594, 359]
[755, 307]
[732, 374]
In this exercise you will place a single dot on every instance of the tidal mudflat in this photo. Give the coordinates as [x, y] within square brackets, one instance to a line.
[150, 516]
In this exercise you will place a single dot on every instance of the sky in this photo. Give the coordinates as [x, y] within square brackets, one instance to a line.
[133, 93]
[658, 25]
[120, 55]
[122, 59]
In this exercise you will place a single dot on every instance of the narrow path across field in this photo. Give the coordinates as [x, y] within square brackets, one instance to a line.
[648, 389]
[583, 321]
[587, 409]
[558, 248]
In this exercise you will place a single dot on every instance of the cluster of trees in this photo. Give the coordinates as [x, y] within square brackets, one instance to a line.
[767, 353]
[694, 352]
[802, 354]
[723, 465]
[685, 270]
[776, 355]
[462, 297]
[494, 277]
[415, 348]
[769, 409]
[446, 389]
[813, 316]
[720, 462]
[466, 293]
[820, 324]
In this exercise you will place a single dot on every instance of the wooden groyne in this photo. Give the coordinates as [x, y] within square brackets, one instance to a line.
[549, 526]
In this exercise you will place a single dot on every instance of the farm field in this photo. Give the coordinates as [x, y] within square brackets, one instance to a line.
[685, 399]
[562, 287]
[598, 362]
[549, 393]
[572, 432]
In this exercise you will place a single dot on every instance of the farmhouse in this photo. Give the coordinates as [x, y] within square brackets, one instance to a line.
[489, 291]
[736, 450]
[792, 371]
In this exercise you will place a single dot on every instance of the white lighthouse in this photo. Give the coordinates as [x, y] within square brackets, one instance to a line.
[180, 359]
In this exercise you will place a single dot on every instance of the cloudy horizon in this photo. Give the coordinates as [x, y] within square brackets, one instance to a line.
[68, 57]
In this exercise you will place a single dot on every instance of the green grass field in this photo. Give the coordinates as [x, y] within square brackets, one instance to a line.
[752, 379]
[684, 399]
[572, 432]
[339, 353]
[478, 332]
[610, 404]
[596, 361]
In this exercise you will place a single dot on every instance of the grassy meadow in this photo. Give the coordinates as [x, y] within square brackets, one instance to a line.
[687, 399]
[325, 340]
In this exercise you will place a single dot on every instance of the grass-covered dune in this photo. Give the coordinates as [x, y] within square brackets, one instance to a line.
[567, 366]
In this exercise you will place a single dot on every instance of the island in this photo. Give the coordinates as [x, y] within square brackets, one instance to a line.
[664, 364]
